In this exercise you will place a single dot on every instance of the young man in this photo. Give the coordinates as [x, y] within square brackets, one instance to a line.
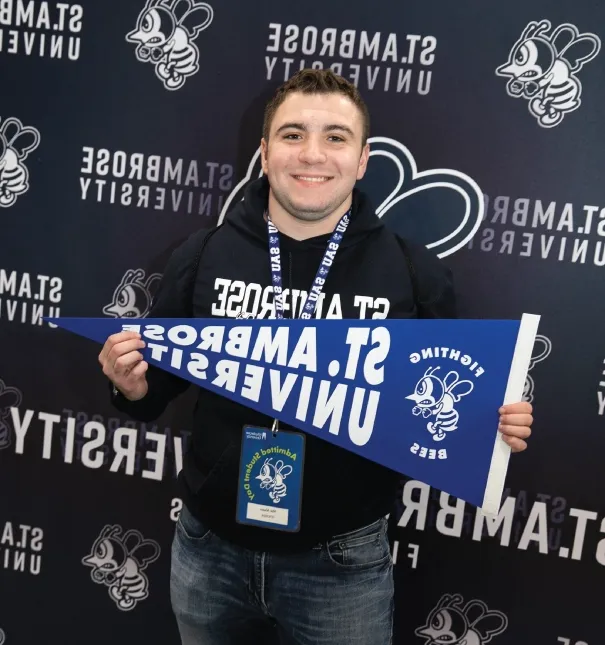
[330, 583]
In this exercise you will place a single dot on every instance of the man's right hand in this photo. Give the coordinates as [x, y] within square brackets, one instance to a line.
[123, 364]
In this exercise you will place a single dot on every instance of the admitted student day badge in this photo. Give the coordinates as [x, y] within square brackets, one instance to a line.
[271, 478]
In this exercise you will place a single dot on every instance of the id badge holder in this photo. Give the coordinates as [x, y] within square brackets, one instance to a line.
[269, 493]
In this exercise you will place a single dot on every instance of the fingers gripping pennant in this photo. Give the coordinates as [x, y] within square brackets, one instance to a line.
[420, 397]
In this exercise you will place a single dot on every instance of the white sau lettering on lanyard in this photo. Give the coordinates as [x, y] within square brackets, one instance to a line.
[322, 272]
[320, 278]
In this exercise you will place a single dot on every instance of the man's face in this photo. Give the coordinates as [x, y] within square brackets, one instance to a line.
[314, 154]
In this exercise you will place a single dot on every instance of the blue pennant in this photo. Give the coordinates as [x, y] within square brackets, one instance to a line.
[420, 397]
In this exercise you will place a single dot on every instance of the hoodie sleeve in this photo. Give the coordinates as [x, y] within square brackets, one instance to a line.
[434, 282]
[172, 300]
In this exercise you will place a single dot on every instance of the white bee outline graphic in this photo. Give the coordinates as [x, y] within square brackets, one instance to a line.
[542, 68]
[2, 636]
[10, 397]
[165, 33]
[472, 624]
[272, 478]
[436, 397]
[16, 142]
[118, 562]
[409, 181]
[133, 297]
[537, 357]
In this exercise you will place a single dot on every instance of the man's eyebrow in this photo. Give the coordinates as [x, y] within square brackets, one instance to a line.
[340, 128]
[301, 126]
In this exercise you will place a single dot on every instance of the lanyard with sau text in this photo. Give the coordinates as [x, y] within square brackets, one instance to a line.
[322, 272]
[320, 277]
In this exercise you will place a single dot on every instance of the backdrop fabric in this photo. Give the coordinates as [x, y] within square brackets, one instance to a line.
[486, 145]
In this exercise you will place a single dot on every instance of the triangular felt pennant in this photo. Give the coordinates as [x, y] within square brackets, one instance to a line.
[418, 396]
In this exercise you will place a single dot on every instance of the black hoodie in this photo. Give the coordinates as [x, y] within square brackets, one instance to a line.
[226, 273]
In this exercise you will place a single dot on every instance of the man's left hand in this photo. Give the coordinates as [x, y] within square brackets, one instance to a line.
[515, 424]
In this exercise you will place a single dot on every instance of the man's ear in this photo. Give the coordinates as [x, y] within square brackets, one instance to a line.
[363, 161]
[264, 148]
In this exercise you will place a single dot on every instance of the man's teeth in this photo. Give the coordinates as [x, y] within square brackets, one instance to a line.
[317, 179]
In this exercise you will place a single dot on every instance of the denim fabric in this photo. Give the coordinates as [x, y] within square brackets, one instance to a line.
[338, 593]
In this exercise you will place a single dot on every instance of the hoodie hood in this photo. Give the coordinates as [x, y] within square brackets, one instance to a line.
[247, 217]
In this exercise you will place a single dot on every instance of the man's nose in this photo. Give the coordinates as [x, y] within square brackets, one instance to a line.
[312, 151]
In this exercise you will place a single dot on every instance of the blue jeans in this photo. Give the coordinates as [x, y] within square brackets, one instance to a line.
[338, 593]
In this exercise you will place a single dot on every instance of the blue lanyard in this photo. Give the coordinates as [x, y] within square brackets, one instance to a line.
[322, 271]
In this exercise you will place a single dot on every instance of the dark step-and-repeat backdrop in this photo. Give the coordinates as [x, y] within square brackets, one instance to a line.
[487, 145]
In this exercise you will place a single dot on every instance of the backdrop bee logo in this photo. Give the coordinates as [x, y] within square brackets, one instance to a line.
[541, 351]
[542, 68]
[2, 637]
[436, 398]
[9, 397]
[16, 142]
[450, 622]
[118, 562]
[440, 208]
[133, 296]
[165, 33]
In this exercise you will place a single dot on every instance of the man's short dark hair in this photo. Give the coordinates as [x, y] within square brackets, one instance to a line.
[317, 81]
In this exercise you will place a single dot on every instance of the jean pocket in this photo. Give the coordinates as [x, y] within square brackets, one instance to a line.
[361, 549]
[191, 528]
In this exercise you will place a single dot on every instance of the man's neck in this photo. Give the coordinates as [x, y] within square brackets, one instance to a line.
[299, 229]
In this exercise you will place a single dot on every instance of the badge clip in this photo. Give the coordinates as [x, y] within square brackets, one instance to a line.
[275, 428]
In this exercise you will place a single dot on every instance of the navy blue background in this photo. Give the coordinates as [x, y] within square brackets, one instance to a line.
[467, 123]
